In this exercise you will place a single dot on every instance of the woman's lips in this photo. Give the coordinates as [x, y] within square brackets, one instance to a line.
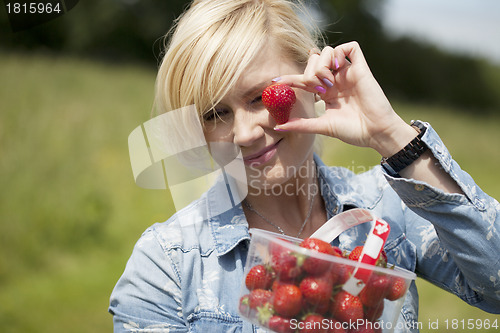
[261, 156]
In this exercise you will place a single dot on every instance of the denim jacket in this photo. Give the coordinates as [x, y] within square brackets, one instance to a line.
[185, 274]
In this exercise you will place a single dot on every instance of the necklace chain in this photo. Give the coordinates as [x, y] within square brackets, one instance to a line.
[247, 204]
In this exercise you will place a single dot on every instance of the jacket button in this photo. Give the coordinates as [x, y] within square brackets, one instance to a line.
[479, 203]
[419, 187]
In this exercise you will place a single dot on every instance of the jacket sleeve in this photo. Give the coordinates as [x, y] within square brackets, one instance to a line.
[459, 249]
[147, 297]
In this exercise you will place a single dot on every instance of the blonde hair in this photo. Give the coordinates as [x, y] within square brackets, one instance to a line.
[213, 42]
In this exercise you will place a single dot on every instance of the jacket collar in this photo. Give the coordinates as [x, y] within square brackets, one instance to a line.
[226, 218]
[337, 190]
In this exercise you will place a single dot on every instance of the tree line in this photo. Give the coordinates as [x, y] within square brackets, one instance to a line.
[131, 30]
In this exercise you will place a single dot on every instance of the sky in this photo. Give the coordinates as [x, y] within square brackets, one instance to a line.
[470, 27]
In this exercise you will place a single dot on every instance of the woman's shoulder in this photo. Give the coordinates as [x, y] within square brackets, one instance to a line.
[370, 184]
[181, 230]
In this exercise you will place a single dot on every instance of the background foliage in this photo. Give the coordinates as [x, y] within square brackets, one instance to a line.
[73, 89]
[131, 30]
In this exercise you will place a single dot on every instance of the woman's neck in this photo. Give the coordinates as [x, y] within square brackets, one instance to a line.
[294, 207]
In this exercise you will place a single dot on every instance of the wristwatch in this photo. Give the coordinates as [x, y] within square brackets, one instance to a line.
[406, 156]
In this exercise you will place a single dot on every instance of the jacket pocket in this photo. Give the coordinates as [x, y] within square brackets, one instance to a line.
[402, 253]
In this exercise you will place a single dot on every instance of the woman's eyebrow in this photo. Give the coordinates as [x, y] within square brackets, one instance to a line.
[259, 87]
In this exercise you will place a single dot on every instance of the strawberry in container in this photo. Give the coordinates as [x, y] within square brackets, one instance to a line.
[295, 285]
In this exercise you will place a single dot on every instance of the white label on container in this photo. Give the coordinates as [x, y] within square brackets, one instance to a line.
[373, 246]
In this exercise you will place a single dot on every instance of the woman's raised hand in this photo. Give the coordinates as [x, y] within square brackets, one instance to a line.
[357, 110]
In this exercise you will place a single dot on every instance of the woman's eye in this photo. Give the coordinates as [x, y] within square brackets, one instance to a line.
[209, 115]
[257, 99]
[215, 114]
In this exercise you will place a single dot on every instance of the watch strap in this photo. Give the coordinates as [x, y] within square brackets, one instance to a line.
[406, 156]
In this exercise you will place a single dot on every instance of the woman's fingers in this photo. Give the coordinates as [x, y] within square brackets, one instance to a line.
[296, 81]
[323, 66]
[357, 109]
[326, 66]
[318, 75]
[350, 55]
[311, 77]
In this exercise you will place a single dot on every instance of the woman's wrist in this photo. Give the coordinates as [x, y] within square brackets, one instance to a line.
[395, 139]
[406, 156]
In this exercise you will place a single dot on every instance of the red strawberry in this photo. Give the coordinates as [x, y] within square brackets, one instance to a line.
[346, 307]
[280, 324]
[318, 245]
[355, 253]
[278, 99]
[313, 323]
[397, 289]
[275, 248]
[375, 312]
[321, 308]
[316, 293]
[278, 283]
[287, 265]
[287, 300]
[339, 273]
[258, 278]
[338, 251]
[259, 297]
[317, 266]
[244, 306]
[375, 290]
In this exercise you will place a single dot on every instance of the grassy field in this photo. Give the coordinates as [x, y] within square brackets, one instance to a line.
[70, 212]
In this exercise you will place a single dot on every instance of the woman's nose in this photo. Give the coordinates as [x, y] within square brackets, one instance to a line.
[247, 127]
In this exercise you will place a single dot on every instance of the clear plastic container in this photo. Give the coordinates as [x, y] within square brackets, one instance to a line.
[292, 288]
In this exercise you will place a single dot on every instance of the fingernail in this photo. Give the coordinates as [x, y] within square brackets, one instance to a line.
[328, 83]
[276, 79]
[320, 89]
[276, 128]
[336, 64]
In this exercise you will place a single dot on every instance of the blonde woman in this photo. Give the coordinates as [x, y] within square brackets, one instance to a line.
[184, 275]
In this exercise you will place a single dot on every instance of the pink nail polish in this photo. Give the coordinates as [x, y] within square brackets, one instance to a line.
[320, 89]
[336, 64]
[279, 129]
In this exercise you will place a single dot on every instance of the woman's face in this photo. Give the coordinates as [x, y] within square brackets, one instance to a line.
[271, 158]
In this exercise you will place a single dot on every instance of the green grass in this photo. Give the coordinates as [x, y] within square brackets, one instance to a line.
[70, 212]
